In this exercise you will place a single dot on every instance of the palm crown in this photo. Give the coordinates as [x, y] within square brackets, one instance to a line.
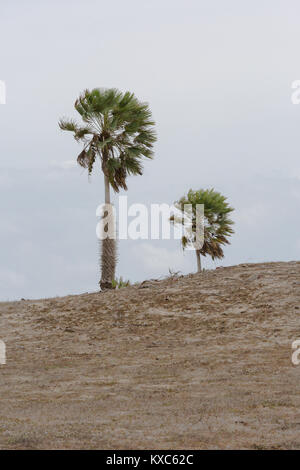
[118, 128]
[217, 224]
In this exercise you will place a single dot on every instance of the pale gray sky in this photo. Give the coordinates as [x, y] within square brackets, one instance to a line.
[218, 79]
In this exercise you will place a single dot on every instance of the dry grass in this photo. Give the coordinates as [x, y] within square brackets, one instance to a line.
[200, 362]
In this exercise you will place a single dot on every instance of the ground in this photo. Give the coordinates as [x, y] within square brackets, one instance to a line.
[193, 362]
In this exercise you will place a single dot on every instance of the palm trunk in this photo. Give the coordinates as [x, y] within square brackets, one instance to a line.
[198, 261]
[107, 191]
[108, 246]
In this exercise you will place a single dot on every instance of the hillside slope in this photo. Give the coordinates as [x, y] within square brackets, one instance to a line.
[200, 362]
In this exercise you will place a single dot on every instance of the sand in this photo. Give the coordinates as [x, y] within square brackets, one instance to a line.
[194, 362]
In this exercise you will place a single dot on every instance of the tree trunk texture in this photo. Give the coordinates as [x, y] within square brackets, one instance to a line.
[198, 261]
[108, 249]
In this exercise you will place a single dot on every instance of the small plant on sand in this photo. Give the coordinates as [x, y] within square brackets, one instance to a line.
[173, 274]
[118, 129]
[118, 283]
[217, 224]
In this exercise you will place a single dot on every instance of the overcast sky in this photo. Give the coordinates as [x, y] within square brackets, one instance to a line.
[217, 76]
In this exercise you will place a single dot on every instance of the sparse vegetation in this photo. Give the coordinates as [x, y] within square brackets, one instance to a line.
[119, 283]
[191, 363]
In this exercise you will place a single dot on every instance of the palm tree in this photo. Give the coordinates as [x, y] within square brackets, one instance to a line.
[217, 224]
[118, 129]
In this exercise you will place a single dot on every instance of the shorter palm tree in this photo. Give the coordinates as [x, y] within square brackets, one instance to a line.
[217, 224]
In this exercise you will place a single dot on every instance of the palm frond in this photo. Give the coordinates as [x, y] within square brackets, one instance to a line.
[217, 224]
[118, 128]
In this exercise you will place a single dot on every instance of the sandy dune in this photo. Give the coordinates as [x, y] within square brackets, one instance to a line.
[201, 362]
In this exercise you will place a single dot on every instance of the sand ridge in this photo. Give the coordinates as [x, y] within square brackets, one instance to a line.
[197, 362]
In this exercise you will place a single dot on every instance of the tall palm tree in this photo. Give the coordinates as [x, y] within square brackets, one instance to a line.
[217, 224]
[118, 129]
